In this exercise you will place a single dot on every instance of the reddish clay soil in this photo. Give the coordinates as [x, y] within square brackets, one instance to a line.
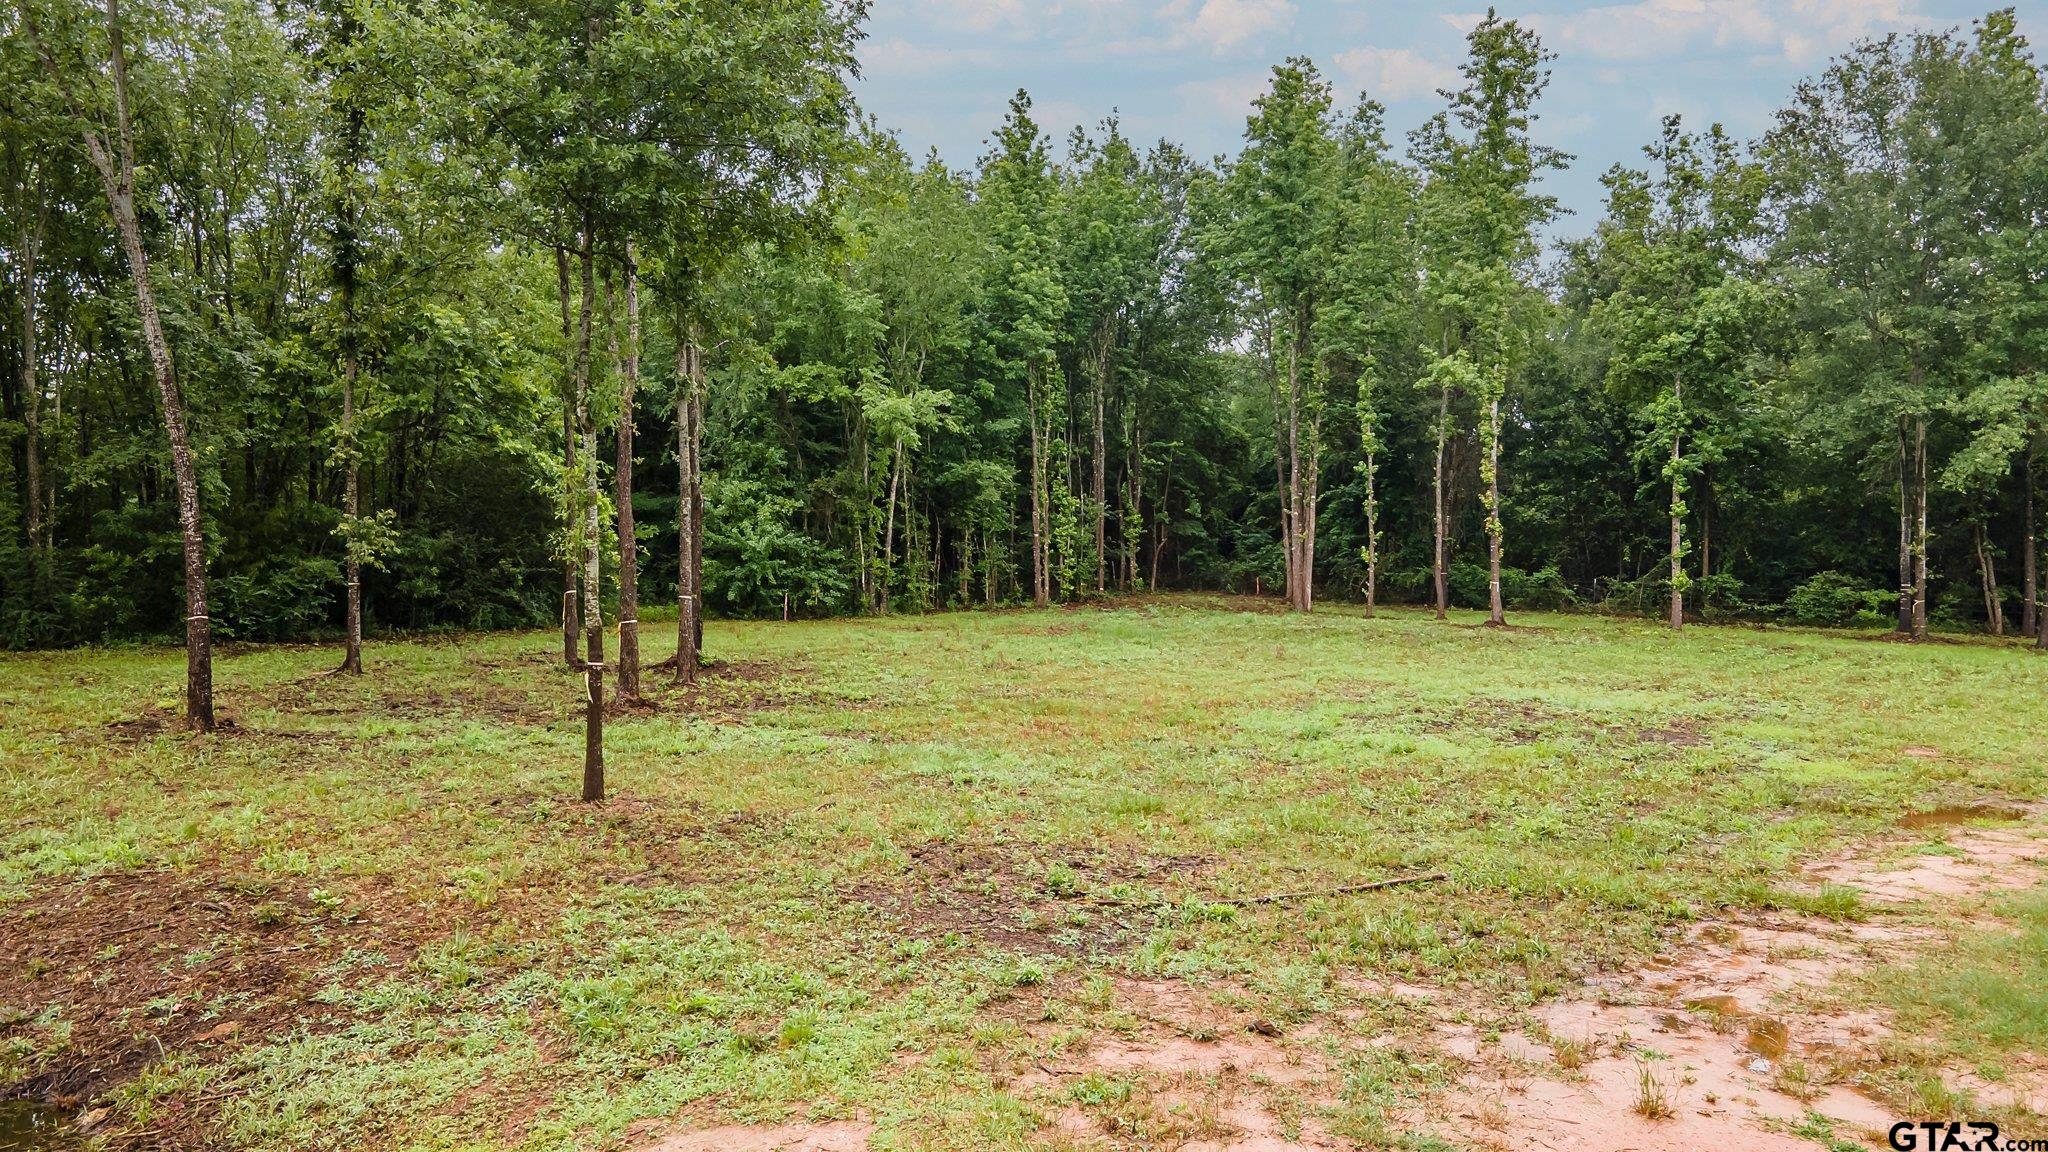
[1711, 1045]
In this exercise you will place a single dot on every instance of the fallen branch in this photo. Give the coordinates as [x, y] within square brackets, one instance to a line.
[1283, 897]
[1345, 890]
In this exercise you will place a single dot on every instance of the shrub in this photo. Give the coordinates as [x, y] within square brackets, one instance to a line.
[1834, 600]
[1543, 590]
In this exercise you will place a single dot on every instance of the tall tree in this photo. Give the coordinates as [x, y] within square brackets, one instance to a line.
[1280, 204]
[1875, 244]
[106, 130]
[1023, 306]
[1368, 324]
[622, 477]
[1482, 210]
[2003, 158]
[1107, 254]
[1678, 319]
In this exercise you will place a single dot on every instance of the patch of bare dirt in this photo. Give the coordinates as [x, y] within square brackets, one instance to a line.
[1194, 1074]
[1716, 1044]
[464, 696]
[1511, 721]
[829, 1136]
[539, 692]
[727, 689]
[1679, 735]
[1007, 896]
[143, 966]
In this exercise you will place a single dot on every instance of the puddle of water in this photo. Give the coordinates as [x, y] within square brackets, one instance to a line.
[1767, 1037]
[31, 1126]
[1961, 814]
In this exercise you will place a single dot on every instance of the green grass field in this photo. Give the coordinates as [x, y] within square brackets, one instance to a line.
[876, 868]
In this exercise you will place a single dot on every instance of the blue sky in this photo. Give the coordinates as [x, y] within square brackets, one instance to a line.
[940, 71]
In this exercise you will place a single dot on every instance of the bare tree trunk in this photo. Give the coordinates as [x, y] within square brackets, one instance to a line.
[1994, 609]
[1677, 516]
[1132, 527]
[622, 477]
[31, 245]
[117, 178]
[593, 524]
[1706, 496]
[569, 653]
[1920, 528]
[1296, 578]
[1496, 613]
[1443, 435]
[1041, 552]
[1312, 486]
[1160, 522]
[1905, 625]
[351, 370]
[889, 527]
[351, 503]
[2029, 556]
[31, 397]
[688, 595]
[1372, 533]
[1099, 481]
[1280, 478]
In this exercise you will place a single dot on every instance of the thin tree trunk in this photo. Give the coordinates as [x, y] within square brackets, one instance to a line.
[1920, 528]
[351, 501]
[1496, 613]
[1994, 608]
[1099, 480]
[1160, 521]
[1132, 528]
[1041, 576]
[1905, 624]
[2029, 558]
[889, 528]
[1706, 496]
[117, 178]
[593, 603]
[1312, 486]
[1677, 515]
[689, 357]
[31, 245]
[1438, 569]
[569, 653]
[1372, 533]
[346, 261]
[966, 566]
[699, 397]
[1296, 578]
[622, 477]
[1280, 479]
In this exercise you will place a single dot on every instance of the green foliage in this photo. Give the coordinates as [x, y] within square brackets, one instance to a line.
[1831, 599]
[908, 364]
[754, 555]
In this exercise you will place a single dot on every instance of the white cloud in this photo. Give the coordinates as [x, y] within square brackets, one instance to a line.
[1394, 73]
[1797, 31]
[1014, 16]
[1223, 96]
[1223, 25]
[900, 58]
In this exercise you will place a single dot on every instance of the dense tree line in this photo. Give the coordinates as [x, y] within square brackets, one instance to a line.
[475, 313]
